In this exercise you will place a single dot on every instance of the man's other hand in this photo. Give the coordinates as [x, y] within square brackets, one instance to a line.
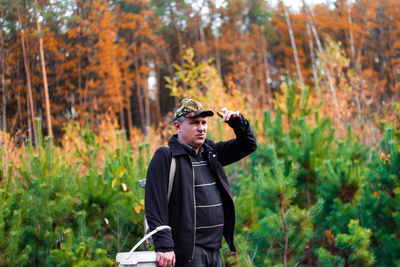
[165, 259]
[226, 114]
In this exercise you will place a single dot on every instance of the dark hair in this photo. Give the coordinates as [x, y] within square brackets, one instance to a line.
[180, 119]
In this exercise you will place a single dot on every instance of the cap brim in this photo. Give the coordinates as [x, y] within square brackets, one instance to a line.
[205, 113]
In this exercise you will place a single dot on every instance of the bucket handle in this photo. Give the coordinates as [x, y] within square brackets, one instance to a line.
[159, 228]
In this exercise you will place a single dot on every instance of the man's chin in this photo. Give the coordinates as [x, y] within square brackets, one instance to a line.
[200, 142]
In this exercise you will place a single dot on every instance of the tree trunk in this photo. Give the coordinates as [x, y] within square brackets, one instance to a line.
[308, 195]
[168, 61]
[85, 105]
[129, 113]
[247, 71]
[380, 50]
[138, 91]
[312, 55]
[350, 21]
[217, 54]
[18, 113]
[293, 43]
[121, 109]
[262, 81]
[30, 130]
[202, 35]
[118, 87]
[180, 46]
[21, 118]
[44, 73]
[321, 51]
[3, 125]
[146, 91]
[180, 42]
[28, 82]
[268, 93]
[203, 41]
[80, 87]
[157, 100]
[285, 229]
[181, 54]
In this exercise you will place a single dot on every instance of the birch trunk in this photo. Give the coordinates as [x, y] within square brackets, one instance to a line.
[44, 74]
[31, 120]
[292, 41]
[312, 55]
[321, 51]
[350, 21]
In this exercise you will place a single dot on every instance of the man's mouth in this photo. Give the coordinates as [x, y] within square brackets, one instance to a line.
[200, 135]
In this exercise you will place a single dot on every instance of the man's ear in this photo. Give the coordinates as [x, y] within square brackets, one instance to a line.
[177, 125]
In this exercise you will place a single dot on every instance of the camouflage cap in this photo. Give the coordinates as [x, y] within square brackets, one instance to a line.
[191, 108]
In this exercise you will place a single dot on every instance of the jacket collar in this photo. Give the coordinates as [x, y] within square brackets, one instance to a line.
[177, 148]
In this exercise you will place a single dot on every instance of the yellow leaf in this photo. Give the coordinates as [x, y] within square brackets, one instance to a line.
[120, 171]
[113, 182]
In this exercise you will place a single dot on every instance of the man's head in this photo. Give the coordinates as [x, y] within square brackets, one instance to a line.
[191, 108]
[190, 120]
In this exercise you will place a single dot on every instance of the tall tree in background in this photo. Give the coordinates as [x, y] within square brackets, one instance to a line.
[44, 72]
[31, 118]
[293, 44]
[3, 125]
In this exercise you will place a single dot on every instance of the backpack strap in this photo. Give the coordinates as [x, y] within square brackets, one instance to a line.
[171, 176]
[172, 169]
[170, 185]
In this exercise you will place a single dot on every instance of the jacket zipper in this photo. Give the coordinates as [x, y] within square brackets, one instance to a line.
[194, 206]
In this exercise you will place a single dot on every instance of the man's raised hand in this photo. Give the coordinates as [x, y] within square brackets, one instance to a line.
[226, 114]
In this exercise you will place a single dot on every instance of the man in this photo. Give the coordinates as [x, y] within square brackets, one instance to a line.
[200, 209]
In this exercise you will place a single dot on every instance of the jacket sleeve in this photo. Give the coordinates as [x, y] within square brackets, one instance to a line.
[156, 199]
[244, 144]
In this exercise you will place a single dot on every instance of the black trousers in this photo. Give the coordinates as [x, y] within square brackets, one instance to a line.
[204, 257]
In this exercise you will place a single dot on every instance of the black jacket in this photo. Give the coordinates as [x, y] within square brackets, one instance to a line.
[180, 213]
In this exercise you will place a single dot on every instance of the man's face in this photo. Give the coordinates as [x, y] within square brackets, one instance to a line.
[192, 131]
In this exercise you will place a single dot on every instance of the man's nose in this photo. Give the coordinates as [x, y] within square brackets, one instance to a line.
[201, 127]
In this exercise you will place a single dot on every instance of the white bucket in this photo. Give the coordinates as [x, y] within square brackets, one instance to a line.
[140, 258]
